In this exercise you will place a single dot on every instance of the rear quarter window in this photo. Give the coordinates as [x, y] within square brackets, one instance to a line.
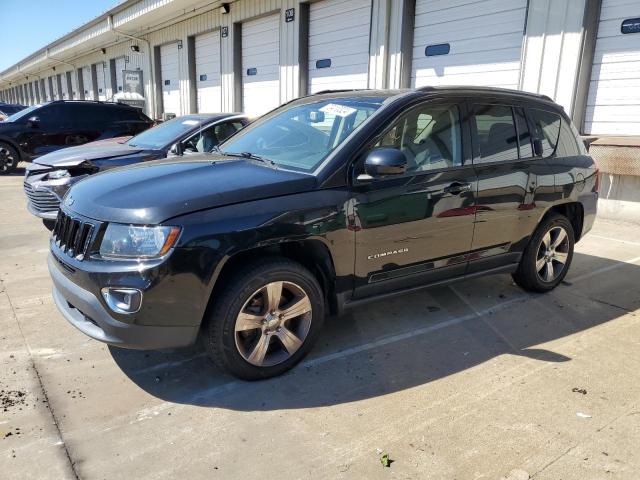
[546, 126]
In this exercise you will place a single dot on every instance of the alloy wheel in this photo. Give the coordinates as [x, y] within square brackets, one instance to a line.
[553, 253]
[273, 324]
[6, 160]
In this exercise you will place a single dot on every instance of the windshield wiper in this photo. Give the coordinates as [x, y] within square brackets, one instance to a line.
[247, 155]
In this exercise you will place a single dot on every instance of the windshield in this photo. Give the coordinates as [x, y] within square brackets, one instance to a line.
[164, 134]
[22, 113]
[301, 137]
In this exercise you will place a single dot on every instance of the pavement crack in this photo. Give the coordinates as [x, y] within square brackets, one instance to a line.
[604, 302]
[41, 384]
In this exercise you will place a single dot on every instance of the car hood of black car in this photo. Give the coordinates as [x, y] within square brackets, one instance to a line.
[72, 156]
[153, 192]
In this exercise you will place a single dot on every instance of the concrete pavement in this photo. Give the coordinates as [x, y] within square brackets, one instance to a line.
[480, 380]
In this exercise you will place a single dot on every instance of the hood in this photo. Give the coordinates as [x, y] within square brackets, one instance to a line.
[71, 156]
[152, 192]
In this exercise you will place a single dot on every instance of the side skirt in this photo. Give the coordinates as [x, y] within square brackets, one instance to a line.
[348, 304]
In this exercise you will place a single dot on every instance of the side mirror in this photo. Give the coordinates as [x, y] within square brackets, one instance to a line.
[176, 149]
[383, 162]
[33, 122]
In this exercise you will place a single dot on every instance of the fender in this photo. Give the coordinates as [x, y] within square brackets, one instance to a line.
[219, 235]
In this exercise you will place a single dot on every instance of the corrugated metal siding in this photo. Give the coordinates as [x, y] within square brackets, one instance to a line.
[613, 104]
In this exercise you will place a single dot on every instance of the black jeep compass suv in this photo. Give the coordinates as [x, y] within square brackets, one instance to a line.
[322, 204]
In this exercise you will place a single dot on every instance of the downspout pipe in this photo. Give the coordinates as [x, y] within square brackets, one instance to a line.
[152, 101]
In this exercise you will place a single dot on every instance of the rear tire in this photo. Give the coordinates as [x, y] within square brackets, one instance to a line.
[547, 258]
[9, 159]
[265, 319]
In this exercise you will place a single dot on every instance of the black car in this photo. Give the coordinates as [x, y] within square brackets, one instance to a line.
[8, 109]
[49, 177]
[43, 128]
[325, 203]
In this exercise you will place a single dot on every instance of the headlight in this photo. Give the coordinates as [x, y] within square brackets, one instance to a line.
[130, 241]
[58, 174]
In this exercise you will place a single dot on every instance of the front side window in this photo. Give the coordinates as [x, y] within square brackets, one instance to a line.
[496, 133]
[547, 129]
[300, 137]
[428, 135]
[208, 138]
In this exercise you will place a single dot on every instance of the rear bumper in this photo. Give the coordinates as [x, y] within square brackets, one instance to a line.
[85, 312]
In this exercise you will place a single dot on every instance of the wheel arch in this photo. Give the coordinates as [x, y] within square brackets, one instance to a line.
[313, 254]
[573, 211]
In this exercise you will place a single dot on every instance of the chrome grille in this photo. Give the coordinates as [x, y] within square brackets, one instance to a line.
[41, 200]
[72, 236]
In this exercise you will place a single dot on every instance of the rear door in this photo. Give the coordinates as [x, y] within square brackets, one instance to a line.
[514, 186]
[417, 228]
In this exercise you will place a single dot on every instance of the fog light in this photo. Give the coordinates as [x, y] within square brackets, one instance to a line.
[122, 300]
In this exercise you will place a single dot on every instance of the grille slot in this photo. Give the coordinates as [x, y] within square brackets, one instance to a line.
[72, 235]
[41, 200]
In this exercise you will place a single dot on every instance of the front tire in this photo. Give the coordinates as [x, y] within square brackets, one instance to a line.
[547, 258]
[9, 159]
[265, 320]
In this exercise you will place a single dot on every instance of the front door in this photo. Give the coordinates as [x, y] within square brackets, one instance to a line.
[417, 228]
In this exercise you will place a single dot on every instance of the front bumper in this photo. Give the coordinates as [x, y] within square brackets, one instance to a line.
[43, 195]
[87, 313]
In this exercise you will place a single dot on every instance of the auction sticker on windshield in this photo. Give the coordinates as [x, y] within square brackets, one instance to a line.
[190, 122]
[339, 110]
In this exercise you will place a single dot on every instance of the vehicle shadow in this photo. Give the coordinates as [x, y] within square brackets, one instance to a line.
[18, 172]
[390, 346]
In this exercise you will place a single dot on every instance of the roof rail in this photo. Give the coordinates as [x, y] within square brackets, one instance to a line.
[431, 88]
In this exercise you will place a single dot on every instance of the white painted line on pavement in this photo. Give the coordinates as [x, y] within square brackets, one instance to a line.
[614, 239]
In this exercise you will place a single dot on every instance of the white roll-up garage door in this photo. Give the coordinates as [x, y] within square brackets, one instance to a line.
[208, 81]
[468, 43]
[261, 65]
[87, 83]
[63, 84]
[339, 44]
[120, 67]
[75, 92]
[102, 84]
[613, 104]
[170, 73]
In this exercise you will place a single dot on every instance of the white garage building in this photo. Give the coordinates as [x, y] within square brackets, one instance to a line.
[253, 55]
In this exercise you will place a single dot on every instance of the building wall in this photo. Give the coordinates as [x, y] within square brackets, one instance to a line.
[552, 60]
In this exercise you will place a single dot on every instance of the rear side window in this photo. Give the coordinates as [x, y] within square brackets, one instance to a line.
[496, 133]
[547, 129]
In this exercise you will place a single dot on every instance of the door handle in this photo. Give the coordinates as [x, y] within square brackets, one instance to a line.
[456, 188]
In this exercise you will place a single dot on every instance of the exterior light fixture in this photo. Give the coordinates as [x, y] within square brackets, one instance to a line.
[224, 8]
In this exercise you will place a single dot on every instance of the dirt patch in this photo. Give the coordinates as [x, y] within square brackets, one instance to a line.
[12, 398]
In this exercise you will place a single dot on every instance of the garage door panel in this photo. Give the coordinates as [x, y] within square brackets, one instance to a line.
[120, 67]
[87, 83]
[337, 8]
[484, 9]
[506, 23]
[339, 31]
[209, 90]
[506, 79]
[170, 75]
[261, 58]
[613, 102]
[485, 48]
